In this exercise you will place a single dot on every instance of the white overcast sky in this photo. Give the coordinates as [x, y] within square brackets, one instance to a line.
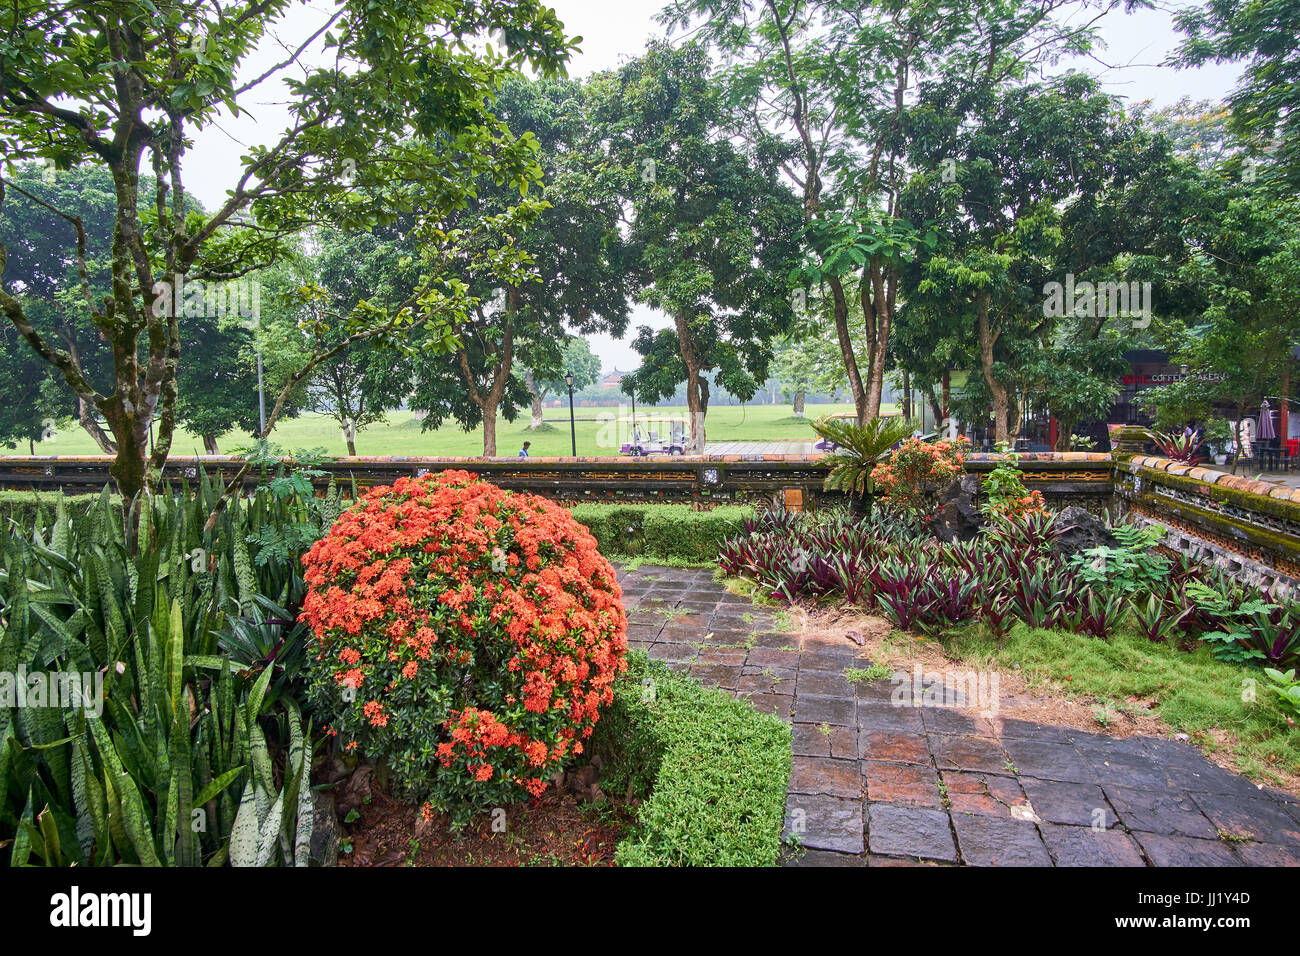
[615, 31]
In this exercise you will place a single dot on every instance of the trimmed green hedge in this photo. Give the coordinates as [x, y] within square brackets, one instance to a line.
[662, 531]
[24, 506]
[712, 771]
[669, 532]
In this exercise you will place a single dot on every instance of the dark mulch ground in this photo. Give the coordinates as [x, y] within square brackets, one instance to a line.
[556, 830]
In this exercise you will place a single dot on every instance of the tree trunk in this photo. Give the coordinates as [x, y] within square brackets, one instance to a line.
[1064, 432]
[129, 469]
[877, 295]
[210, 445]
[841, 311]
[1238, 441]
[987, 339]
[799, 398]
[489, 401]
[86, 419]
[1284, 410]
[538, 394]
[85, 411]
[696, 389]
[352, 447]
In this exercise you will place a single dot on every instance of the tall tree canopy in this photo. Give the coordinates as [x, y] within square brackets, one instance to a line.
[1048, 183]
[397, 119]
[825, 86]
[714, 230]
[576, 277]
[1266, 103]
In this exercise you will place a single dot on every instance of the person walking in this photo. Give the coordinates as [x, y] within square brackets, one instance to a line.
[523, 452]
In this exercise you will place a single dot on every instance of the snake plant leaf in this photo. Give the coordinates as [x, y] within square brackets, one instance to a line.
[51, 848]
[244, 836]
[219, 784]
[21, 852]
[269, 834]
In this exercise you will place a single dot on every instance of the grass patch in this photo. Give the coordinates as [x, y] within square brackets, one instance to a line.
[711, 770]
[401, 433]
[868, 675]
[1190, 691]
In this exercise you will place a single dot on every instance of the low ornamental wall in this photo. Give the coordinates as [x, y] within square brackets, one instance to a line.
[1250, 527]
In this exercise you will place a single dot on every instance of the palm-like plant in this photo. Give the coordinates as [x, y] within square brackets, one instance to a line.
[1184, 448]
[858, 449]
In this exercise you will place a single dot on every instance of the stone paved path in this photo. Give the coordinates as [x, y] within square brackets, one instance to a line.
[874, 783]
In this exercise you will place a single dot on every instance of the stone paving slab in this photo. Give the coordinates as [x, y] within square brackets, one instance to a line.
[877, 784]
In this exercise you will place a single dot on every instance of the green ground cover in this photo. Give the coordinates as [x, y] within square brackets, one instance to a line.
[400, 434]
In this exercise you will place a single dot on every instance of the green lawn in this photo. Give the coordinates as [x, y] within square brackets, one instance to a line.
[401, 434]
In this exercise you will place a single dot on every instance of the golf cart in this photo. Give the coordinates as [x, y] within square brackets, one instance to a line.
[652, 435]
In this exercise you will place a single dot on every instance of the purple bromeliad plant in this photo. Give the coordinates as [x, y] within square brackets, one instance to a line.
[1009, 575]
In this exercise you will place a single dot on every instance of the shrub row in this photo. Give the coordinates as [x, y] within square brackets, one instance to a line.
[25, 507]
[712, 771]
[672, 532]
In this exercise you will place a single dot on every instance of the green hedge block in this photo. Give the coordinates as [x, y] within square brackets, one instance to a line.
[678, 532]
[593, 517]
[712, 771]
[661, 531]
[26, 507]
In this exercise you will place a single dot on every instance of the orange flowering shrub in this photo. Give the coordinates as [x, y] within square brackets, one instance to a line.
[467, 634]
[916, 468]
[1032, 503]
[1005, 492]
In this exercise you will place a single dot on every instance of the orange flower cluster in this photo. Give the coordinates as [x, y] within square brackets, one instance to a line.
[1031, 503]
[914, 465]
[469, 634]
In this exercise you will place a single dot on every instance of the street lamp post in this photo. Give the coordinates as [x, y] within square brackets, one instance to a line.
[573, 430]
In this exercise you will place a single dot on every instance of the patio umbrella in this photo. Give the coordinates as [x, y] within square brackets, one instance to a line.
[1266, 429]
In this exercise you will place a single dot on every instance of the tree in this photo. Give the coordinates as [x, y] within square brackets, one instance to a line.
[219, 391]
[1078, 376]
[35, 400]
[715, 231]
[1246, 260]
[1266, 103]
[1033, 166]
[805, 360]
[825, 86]
[41, 268]
[335, 269]
[576, 359]
[577, 275]
[397, 120]
[1196, 129]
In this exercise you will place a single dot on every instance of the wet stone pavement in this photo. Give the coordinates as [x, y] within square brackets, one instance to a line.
[875, 783]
